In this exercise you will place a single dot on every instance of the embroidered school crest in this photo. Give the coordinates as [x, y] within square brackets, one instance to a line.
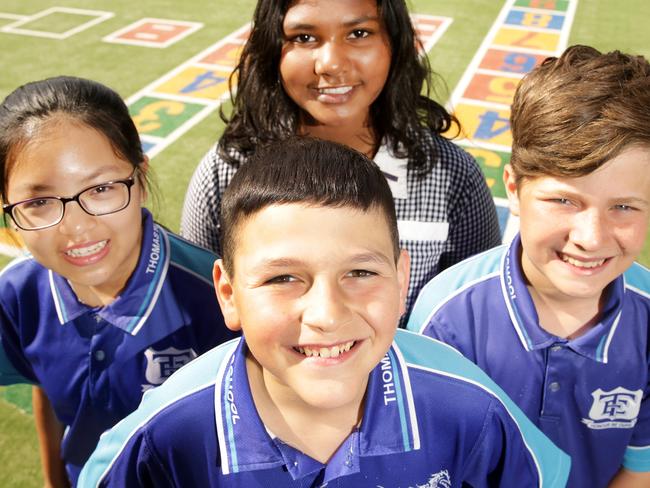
[615, 409]
[161, 364]
[438, 480]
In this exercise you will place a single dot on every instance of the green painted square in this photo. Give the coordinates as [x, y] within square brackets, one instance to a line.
[560, 5]
[492, 163]
[160, 117]
[19, 395]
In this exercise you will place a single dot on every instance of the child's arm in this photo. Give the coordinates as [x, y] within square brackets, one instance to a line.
[630, 479]
[50, 433]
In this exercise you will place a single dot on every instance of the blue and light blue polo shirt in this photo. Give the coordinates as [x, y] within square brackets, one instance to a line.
[431, 418]
[589, 395]
[95, 363]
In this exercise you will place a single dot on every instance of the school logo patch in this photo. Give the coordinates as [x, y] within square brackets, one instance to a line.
[615, 409]
[161, 364]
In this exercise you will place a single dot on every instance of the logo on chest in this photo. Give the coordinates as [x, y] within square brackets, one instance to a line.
[614, 409]
[161, 364]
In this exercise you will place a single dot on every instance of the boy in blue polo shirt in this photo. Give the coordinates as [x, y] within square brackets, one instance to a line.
[320, 390]
[560, 317]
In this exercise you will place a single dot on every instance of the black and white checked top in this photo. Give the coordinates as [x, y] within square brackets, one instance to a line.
[444, 216]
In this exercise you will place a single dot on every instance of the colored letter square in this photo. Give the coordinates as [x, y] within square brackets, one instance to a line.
[490, 88]
[160, 117]
[510, 61]
[196, 82]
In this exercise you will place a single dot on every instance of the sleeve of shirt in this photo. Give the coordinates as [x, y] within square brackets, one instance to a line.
[14, 367]
[637, 454]
[501, 456]
[136, 466]
[473, 226]
[200, 219]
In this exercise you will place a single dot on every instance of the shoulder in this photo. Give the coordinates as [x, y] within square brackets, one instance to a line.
[189, 259]
[163, 412]
[21, 276]
[637, 278]
[468, 274]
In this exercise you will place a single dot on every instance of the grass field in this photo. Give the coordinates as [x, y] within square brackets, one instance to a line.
[604, 24]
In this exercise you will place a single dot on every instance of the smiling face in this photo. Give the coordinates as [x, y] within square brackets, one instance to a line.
[335, 60]
[579, 234]
[318, 295]
[96, 254]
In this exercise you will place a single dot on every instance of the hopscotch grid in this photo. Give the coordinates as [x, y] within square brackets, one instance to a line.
[100, 16]
[482, 103]
[457, 99]
[114, 36]
[9, 16]
[502, 74]
[541, 11]
[214, 66]
[522, 49]
[174, 97]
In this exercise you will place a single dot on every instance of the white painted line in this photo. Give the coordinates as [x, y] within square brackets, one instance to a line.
[522, 49]
[4, 15]
[500, 74]
[482, 103]
[478, 144]
[14, 27]
[437, 33]
[159, 24]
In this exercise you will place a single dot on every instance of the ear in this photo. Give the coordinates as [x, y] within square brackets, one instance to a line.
[224, 290]
[510, 183]
[403, 275]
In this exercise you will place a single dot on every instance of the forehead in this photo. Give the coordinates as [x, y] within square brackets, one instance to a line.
[312, 233]
[626, 175]
[317, 12]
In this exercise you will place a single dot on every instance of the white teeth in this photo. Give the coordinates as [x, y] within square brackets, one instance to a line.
[86, 251]
[335, 91]
[582, 264]
[325, 352]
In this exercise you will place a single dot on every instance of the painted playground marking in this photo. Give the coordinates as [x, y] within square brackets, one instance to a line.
[21, 21]
[524, 33]
[150, 32]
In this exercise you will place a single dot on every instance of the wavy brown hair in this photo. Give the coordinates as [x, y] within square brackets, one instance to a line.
[572, 114]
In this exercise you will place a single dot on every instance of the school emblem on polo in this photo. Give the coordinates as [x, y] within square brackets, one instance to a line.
[438, 480]
[161, 364]
[615, 409]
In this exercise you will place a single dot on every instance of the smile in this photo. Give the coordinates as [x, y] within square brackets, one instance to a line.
[80, 252]
[341, 90]
[582, 264]
[325, 352]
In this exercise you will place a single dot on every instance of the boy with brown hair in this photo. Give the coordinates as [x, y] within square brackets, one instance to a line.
[320, 390]
[560, 317]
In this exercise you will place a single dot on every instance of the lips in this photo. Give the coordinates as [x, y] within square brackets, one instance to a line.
[79, 252]
[87, 253]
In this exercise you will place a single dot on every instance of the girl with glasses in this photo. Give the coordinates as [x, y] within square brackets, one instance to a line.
[349, 71]
[108, 304]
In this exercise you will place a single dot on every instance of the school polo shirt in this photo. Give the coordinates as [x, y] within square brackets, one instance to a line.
[589, 395]
[95, 363]
[431, 418]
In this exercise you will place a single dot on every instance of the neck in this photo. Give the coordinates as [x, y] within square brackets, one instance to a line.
[362, 139]
[566, 318]
[317, 432]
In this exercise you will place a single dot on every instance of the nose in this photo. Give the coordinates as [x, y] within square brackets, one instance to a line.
[75, 221]
[330, 59]
[589, 230]
[325, 306]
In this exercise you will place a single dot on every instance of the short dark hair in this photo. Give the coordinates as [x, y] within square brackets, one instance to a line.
[303, 170]
[263, 112]
[572, 114]
[65, 98]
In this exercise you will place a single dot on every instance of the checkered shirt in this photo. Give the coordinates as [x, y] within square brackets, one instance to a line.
[454, 192]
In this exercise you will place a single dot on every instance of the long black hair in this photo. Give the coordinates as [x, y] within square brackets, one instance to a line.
[263, 112]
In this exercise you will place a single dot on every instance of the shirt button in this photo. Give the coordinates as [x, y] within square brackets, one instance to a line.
[556, 348]
[555, 386]
[100, 355]
[98, 319]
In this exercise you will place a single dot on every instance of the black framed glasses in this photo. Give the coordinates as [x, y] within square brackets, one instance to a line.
[43, 212]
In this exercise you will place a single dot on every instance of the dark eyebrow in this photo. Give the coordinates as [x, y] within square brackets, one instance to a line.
[42, 188]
